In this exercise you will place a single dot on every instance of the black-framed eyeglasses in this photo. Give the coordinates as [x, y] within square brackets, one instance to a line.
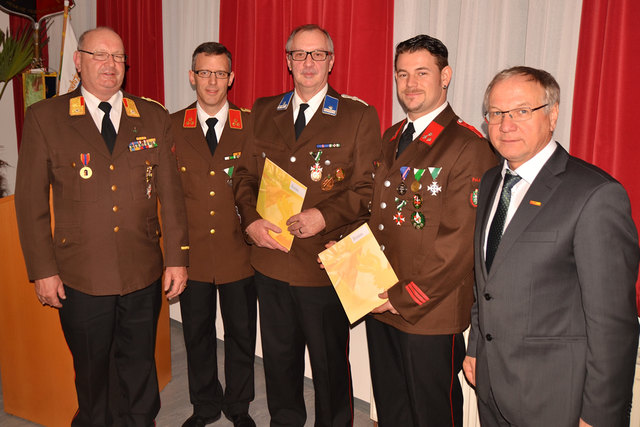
[520, 114]
[316, 55]
[103, 56]
[205, 74]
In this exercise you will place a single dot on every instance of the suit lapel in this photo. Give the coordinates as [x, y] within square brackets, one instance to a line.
[130, 128]
[541, 190]
[86, 127]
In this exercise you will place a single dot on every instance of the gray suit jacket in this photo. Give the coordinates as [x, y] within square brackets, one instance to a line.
[554, 325]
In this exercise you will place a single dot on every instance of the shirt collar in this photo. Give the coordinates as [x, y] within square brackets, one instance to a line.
[92, 102]
[530, 169]
[314, 102]
[221, 115]
[421, 123]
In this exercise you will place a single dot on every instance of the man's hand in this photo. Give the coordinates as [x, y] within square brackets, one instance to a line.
[50, 291]
[387, 306]
[469, 368]
[258, 231]
[307, 223]
[175, 281]
[583, 423]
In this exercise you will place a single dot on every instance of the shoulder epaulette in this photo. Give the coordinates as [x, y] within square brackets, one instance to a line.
[245, 110]
[153, 100]
[470, 127]
[355, 98]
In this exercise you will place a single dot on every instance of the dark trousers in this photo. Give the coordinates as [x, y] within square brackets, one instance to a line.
[415, 377]
[290, 317]
[117, 329]
[238, 308]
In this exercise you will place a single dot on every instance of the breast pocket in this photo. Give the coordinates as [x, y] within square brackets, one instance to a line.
[142, 169]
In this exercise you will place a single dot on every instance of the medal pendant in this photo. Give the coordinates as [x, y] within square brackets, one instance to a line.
[86, 172]
[398, 218]
[327, 183]
[417, 201]
[339, 174]
[316, 172]
[417, 220]
[434, 188]
[416, 186]
[402, 189]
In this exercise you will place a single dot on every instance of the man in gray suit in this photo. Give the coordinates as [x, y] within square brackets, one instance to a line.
[554, 330]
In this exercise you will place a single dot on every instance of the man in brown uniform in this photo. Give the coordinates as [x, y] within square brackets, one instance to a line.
[298, 305]
[423, 212]
[219, 256]
[103, 265]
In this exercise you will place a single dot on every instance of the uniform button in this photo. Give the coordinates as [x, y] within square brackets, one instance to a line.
[116, 229]
[212, 173]
[147, 162]
[382, 248]
[264, 154]
[111, 167]
[157, 232]
[380, 227]
[292, 159]
[487, 296]
[373, 175]
[64, 240]
[383, 205]
[73, 164]
[183, 169]
[212, 193]
[115, 209]
[212, 213]
[387, 183]
[114, 187]
[327, 162]
[489, 337]
[212, 231]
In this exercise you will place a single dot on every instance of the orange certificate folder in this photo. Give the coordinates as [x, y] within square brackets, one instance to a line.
[359, 271]
[280, 196]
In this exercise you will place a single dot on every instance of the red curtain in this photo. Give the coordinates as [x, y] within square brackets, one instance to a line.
[255, 31]
[16, 23]
[139, 23]
[605, 116]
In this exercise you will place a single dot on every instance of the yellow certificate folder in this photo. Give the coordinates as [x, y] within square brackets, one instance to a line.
[359, 271]
[280, 196]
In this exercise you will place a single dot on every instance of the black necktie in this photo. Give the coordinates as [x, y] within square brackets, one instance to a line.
[300, 121]
[212, 140]
[108, 131]
[499, 218]
[405, 139]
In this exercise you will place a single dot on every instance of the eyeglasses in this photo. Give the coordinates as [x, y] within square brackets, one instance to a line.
[205, 74]
[316, 55]
[103, 56]
[517, 114]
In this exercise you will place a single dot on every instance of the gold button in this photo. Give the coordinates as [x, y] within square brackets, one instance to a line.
[212, 173]
[114, 187]
[212, 213]
[73, 164]
[212, 193]
[115, 209]
[212, 231]
[116, 228]
[157, 233]
[111, 167]
[64, 240]
[183, 169]
[147, 162]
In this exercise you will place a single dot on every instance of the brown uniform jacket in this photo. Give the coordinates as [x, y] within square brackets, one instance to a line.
[434, 263]
[218, 252]
[106, 238]
[338, 120]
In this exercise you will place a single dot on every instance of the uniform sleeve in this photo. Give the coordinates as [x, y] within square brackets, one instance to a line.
[606, 254]
[32, 201]
[352, 205]
[450, 265]
[172, 207]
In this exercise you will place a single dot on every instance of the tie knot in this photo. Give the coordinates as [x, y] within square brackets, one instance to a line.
[303, 107]
[410, 128]
[510, 179]
[211, 122]
[105, 106]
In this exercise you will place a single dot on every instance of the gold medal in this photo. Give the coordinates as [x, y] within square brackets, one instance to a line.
[416, 186]
[327, 183]
[86, 172]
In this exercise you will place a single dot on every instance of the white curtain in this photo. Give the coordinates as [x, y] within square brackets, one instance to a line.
[486, 36]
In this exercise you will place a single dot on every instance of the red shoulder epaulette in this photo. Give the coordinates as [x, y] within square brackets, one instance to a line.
[470, 127]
